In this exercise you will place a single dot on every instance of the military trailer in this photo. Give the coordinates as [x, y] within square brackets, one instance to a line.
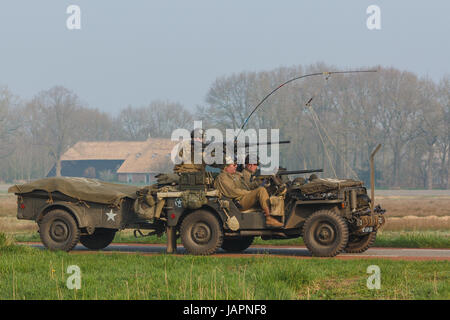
[331, 215]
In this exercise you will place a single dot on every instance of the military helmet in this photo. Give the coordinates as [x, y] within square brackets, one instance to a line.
[313, 177]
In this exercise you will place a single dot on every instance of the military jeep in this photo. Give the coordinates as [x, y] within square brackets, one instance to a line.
[331, 215]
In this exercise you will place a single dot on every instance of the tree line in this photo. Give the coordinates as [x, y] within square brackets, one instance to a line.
[349, 115]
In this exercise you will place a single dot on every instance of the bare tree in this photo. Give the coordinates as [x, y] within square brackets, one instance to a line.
[9, 122]
[53, 121]
[444, 139]
[158, 119]
[430, 123]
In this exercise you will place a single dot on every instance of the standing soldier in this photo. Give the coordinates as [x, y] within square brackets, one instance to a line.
[189, 151]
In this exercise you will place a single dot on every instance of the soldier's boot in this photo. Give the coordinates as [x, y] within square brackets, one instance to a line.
[272, 222]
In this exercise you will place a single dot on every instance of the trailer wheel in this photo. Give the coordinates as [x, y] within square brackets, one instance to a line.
[59, 230]
[100, 239]
[237, 244]
[325, 233]
[201, 233]
[359, 244]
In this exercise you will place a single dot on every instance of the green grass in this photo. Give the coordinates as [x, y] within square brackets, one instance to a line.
[414, 239]
[28, 273]
[401, 239]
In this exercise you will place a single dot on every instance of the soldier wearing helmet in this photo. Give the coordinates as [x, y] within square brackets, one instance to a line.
[191, 153]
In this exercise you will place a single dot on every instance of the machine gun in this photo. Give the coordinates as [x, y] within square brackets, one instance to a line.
[236, 146]
[283, 172]
[276, 183]
[245, 145]
[286, 172]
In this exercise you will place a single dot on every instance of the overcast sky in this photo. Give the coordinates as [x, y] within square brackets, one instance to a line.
[133, 52]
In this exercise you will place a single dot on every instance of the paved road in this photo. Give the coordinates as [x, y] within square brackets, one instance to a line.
[298, 251]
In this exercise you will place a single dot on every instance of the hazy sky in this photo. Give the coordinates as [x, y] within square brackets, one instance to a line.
[132, 52]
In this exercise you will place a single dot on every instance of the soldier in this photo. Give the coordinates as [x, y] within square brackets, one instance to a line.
[191, 147]
[247, 174]
[230, 185]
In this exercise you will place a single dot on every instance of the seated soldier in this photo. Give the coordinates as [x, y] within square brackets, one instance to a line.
[230, 185]
[251, 165]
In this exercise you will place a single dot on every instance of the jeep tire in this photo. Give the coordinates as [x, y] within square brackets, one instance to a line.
[237, 244]
[325, 233]
[100, 239]
[201, 233]
[359, 244]
[59, 230]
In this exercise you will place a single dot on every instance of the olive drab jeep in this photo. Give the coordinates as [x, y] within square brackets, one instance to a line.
[331, 215]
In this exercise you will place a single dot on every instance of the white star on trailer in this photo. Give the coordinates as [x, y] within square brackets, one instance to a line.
[111, 215]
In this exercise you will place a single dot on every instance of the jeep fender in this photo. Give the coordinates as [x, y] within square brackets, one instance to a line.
[78, 212]
[176, 217]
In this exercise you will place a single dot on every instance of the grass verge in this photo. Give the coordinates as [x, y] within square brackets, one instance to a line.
[41, 274]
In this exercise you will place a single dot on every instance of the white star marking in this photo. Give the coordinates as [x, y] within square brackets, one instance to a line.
[111, 215]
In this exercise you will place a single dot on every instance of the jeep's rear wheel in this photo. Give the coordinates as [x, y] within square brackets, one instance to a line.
[325, 233]
[237, 244]
[100, 239]
[201, 233]
[59, 230]
[359, 244]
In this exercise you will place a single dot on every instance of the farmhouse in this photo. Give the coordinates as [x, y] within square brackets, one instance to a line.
[124, 161]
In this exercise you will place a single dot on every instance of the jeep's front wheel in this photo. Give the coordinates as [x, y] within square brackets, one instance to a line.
[237, 244]
[201, 233]
[325, 233]
[59, 230]
[359, 244]
[100, 239]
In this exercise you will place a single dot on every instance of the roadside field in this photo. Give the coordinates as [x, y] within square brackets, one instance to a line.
[29, 273]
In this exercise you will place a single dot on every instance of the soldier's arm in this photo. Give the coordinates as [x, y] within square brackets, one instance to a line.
[254, 183]
[227, 187]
